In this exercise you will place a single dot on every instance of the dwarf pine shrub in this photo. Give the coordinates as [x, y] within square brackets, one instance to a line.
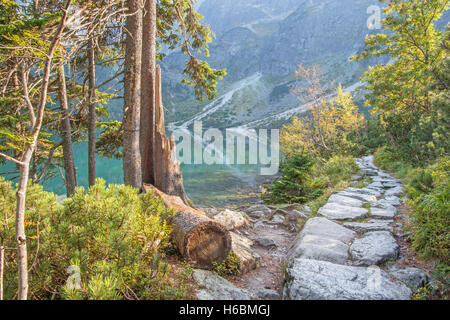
[103, 243]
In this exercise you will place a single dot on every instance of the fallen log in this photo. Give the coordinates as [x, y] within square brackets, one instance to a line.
[201, 240]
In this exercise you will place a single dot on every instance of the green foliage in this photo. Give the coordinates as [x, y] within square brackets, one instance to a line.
[409, 94]
[114, 236]
[295, 184]
[230, 267]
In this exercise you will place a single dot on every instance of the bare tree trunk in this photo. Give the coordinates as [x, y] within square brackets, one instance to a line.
[69, 163]
[20, 225]
[132, 96]
[168, 176]
[148, 91]
[92, 114]
[25, 164]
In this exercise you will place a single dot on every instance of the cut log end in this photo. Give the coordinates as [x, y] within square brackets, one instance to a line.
[201, 240]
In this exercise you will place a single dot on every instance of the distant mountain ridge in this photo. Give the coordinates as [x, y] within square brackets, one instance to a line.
[269, 39]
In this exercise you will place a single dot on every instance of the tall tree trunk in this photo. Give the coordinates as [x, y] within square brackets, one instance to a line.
[132, 95]
[92, 114]
[69, 163]
[148, 91]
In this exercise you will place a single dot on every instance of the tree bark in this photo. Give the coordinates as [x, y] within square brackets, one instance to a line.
[148, 91]
[69, 162]
[132, 96]
[92, 114]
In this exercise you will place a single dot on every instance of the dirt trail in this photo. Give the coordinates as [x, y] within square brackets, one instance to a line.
[268, 276]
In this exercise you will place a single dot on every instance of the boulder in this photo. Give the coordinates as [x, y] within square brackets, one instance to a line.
[230, 219]
[308, 279]
[374, 248]
[214, 287]
[322, 239]
[337, 211]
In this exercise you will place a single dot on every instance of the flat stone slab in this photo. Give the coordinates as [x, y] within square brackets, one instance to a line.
[374, 248]
[337, 211]
[322, 239]
[359, 196]
[320, 280]
[393, 200]
[385, 204]
[367, 191]
[385, 214]
[372, 225]
[394, 192]
[347, 201]
[214, 287]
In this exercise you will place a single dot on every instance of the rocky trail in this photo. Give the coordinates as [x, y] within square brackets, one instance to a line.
[349, 250]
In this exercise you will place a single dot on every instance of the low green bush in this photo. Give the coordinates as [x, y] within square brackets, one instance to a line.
[109, 240]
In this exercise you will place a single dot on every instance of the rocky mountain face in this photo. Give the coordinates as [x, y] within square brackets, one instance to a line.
[261, 43]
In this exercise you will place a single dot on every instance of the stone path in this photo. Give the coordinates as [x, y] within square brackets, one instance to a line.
[342, 253]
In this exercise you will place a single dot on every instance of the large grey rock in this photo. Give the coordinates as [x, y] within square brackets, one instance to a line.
[308, 279]
[372, 225]
[359, 196]
[346, 201]
[214, 287]
[374, 248]
[241, 246]
[337, 211]
[322, 239]
[386, 214]
[230, 219]
[412, 277]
